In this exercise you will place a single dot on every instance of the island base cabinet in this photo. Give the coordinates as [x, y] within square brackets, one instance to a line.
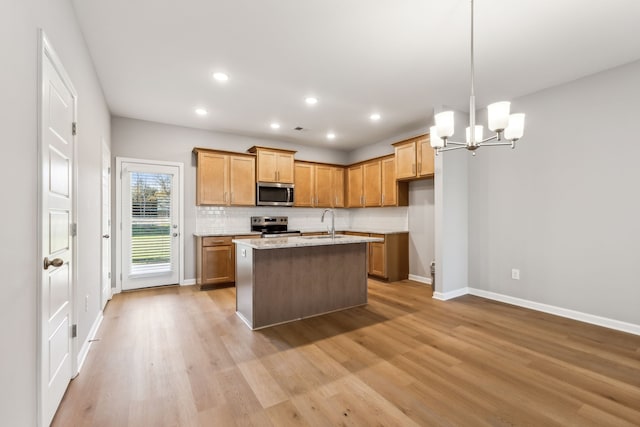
[281, 285]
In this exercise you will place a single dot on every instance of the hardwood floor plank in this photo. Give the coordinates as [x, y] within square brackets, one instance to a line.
[178, 356]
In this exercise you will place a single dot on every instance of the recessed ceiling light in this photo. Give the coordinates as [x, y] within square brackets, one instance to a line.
[311, 100]
[221, 77]
[375, 117]
[275, 125]
[331, 136]
[201, 112]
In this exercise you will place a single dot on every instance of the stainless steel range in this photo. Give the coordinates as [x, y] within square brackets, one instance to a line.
[272, 226]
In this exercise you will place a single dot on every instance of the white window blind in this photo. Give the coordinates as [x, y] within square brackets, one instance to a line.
[150, 223]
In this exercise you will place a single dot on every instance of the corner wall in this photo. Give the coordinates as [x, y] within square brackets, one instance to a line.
[564, 207]
[19, 23]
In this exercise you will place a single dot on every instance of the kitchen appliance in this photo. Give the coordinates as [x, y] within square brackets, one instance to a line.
[274, 194]
[272, 226]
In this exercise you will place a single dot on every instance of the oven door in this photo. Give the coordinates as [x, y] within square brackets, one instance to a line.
[274, 194]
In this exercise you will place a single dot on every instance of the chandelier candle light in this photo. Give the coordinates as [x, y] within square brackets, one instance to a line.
[505, 125]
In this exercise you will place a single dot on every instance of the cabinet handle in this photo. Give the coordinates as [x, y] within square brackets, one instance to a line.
[224, 197]
[419, 168]
[413, 168]
[383, 199]
[218, 241]
[229, 253]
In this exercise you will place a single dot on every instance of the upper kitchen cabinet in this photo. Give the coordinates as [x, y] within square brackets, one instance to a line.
[225, 179]
[414, 158]
[394, 193]
[318, 185]
[274, 165]
[373, 183]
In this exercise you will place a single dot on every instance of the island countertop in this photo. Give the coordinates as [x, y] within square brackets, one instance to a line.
[304, 241]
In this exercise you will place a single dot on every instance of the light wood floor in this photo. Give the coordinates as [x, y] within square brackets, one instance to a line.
[181, 357]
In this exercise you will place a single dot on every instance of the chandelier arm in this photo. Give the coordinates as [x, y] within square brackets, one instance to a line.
[491, 138]
[456, 143]
[439, 150]
[494, 144]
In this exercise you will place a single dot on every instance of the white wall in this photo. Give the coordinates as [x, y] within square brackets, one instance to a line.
[451, 219]
[421, 223]
[19, 23]
[564, 206]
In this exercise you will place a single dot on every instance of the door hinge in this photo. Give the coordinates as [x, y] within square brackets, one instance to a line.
[109, 170]
[109, 275]
[74, 331]
[74, 128]
[74, 229]
[121, 277]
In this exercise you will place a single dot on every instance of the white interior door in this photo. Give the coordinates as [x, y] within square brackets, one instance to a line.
[150, 225]
[106, 226]
[56, 190]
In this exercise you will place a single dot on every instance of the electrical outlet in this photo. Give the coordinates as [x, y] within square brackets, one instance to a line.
[86, 303]
[515, 274]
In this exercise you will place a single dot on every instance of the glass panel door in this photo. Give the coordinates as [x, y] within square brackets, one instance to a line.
[150, 227]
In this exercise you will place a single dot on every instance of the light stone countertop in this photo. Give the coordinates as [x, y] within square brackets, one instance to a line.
[227, 234]
[297, 242]
[248, 233]
[358, 230]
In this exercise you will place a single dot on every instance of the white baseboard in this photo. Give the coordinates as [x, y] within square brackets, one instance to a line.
[421, 279]
[451, 294]
[559, 311]
[82, 354]
[187, 282]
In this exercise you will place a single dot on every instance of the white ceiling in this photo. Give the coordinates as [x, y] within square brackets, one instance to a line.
[402, 58]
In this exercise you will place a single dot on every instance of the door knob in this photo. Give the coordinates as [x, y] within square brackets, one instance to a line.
[105, 236]
[56, 262]
[175, 234]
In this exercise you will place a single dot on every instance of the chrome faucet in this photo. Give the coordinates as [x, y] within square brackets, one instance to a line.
[333, 221]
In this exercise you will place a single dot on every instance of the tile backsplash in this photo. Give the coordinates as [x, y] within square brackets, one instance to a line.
[214, 219]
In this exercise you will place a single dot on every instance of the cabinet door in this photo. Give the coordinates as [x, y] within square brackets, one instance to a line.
[285, 167]
[212, 179]
[217, 264]
[372, 184]
[377, 262]
[338, 187]
[354, 187]
[324, 186]
[304, 195]
[389, 184]
[406, 160]
[242, 180]
[425, 156]
[267, 166]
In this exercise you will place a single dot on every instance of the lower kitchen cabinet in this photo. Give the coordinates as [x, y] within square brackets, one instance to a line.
[215, 259]
[388, 260]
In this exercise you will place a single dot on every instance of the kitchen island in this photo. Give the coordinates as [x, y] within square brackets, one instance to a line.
[279, 280]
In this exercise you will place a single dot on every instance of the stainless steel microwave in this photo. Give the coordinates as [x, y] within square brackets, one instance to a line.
[274, 194]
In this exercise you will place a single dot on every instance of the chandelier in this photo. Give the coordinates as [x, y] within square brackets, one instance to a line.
[507, 128]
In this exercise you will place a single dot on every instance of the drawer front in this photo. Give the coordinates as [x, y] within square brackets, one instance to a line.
[216, 241]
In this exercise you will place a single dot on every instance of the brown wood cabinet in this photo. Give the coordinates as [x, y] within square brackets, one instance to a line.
[274, 165]
[318, 185]
[226, 179]
[414, 158]
[388, 260]
[373, 183]
[215, 263]
[216, 260]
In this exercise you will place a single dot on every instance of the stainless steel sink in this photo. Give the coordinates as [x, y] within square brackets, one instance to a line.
[324, 236]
